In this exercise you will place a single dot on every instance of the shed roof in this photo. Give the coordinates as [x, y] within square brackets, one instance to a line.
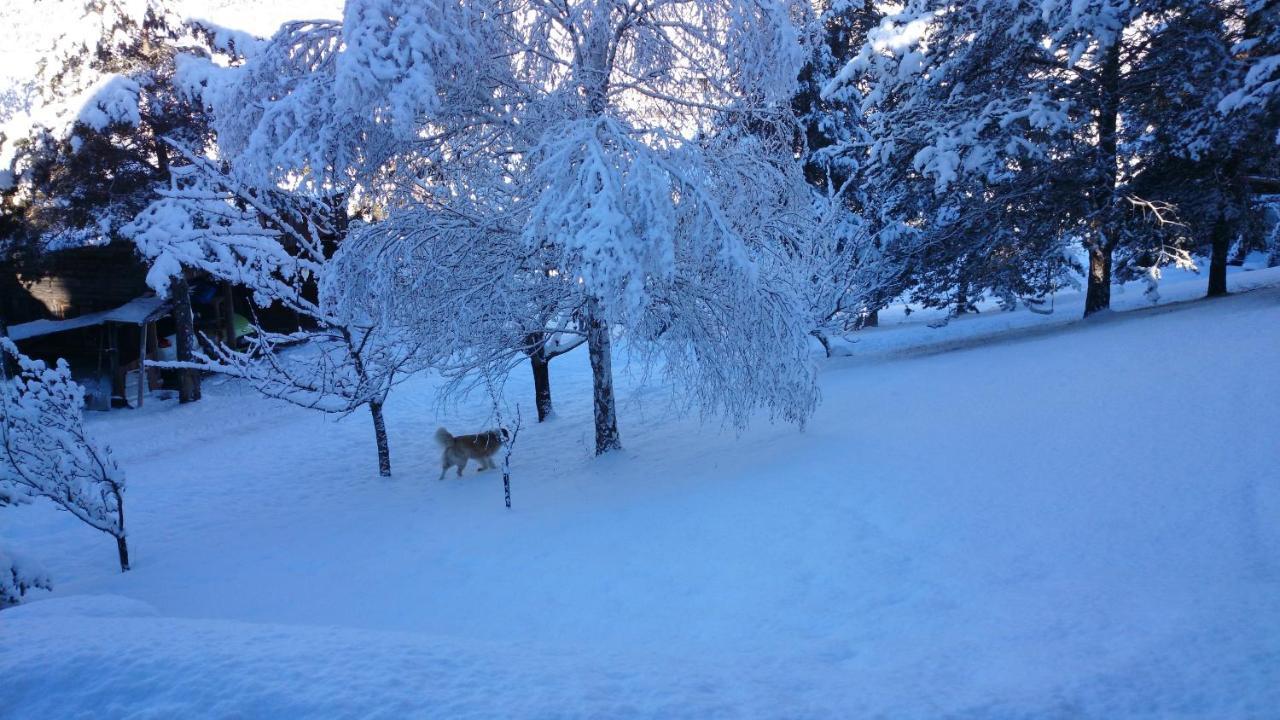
[137, 311]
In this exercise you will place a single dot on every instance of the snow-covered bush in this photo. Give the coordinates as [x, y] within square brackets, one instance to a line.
[46, 453]
[18, 576]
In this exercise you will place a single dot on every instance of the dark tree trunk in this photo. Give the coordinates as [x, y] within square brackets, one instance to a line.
[822, 339]
[380, 434]
[184, 325]
[541, 382]
[872, 319]
[229, 317]
[1218, 258]
[962, 300]
[122, 549]
[6, 362]
[598, 348]
[1107, 172]
[1098, 295]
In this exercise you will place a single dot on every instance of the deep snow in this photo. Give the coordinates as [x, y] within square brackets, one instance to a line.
[1080, 522]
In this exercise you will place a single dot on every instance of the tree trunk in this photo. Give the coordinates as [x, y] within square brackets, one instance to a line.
[961, 301]
[598, 349]
[122, 546]
[380, 434]
[872, 319]
[1218, 259]
[1107, 172]
[184, 329]
[541, 382]
[229, 316]
[6, 362]
[1098, 295]
[822, 339]
[122, 549]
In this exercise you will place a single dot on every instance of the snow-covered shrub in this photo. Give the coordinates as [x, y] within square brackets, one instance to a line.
[18, 576]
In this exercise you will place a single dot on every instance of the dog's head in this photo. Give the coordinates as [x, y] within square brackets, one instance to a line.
[506, 434]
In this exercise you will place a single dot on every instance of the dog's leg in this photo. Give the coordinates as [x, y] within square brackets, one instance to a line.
[444, 467]
[462, 465]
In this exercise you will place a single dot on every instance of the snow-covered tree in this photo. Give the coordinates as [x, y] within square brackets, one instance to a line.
[46, 453]
[89, 155]
[1194, 163]
[1258, 91]
[586, 111]
[1051, 154]
[462, 281]
[279, 246]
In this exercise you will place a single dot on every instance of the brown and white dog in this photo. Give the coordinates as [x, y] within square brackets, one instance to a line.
[461, 448]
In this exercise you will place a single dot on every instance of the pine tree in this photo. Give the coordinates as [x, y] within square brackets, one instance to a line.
[96, 155]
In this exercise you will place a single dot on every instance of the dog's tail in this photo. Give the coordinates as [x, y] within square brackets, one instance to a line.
[443, 437]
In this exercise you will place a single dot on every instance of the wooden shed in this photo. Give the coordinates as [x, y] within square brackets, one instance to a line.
[111, 377]
[92, 306]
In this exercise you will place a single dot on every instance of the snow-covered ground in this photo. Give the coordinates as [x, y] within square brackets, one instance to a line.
[1052, 519]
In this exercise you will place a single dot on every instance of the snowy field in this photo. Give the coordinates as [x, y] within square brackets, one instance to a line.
[1050, 519]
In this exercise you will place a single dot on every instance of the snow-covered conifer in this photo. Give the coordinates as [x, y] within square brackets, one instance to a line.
[1022, 167]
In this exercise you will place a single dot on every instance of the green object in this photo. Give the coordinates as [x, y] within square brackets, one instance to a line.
[242, 325]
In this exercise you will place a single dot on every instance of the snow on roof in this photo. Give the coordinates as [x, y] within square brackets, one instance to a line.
[139, 310]
[135, 312]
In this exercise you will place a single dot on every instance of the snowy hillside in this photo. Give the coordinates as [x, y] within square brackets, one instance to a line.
[1074, 524]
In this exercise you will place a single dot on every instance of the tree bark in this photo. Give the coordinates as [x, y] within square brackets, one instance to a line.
[122, 546]
[1218, 259]
[229, 316]
[122, 549]
[541, 382]
[872, 319]
[600, 353]
[822, 340]
[184, 326]
[6, 362]
[380, 435]
[1098, 295]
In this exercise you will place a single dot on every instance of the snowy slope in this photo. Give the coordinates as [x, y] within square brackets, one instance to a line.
[1076, 524]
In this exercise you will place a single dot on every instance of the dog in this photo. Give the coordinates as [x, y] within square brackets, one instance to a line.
[461, 448]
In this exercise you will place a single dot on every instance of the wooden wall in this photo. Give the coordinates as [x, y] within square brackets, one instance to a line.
[73, 282]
